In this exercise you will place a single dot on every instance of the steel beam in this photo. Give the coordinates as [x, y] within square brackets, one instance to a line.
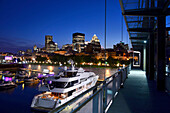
[138, 43]
[138, 38]
[140, 30]
[151, 12]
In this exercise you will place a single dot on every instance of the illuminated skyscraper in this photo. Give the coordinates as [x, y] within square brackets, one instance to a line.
[35, 48]
[78, 42]
[94, 45]
[48, 38]
[50, 46]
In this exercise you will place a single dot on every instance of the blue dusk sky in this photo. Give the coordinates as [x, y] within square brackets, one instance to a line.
[24, 23]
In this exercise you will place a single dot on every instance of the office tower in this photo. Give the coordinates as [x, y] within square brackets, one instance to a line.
[78, 42]
[48, 38]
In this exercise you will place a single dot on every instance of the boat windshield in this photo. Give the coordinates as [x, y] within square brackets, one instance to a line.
[62, 84]
[58, 85]
[70, 74]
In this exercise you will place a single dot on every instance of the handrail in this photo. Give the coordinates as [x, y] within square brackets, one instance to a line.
[77, 97]
[167, 73]
[97, 89]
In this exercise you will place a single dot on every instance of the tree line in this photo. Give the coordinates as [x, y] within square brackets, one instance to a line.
[80, 59]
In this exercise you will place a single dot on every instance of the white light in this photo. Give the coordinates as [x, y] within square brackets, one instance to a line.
[145, 41]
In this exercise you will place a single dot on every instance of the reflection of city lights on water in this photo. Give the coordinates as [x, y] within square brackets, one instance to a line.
[50, 68]
[107, 72]
[29, 66]
[23, 86]
[29, 73]
[39, 67]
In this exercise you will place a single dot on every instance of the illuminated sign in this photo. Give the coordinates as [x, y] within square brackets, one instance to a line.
[8, 57]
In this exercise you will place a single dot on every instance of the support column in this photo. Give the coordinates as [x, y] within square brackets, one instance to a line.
[161, 52]
[144, 57]
[147, 58]
[151, 57]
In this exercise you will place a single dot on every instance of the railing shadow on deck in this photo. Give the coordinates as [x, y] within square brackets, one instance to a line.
[100, 97]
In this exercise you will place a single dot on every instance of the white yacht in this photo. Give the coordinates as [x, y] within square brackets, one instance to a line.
[59, 89]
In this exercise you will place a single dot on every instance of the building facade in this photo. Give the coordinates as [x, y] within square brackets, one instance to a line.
[93, 46]
[78, 42]
[48, 38]
[50, 46]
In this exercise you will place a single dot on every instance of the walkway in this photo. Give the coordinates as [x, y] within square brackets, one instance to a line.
[140, 96]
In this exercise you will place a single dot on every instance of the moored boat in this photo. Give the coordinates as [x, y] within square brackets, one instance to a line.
[61, 88]
[7, 85]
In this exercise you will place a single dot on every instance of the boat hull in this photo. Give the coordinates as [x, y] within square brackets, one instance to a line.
[7, 87]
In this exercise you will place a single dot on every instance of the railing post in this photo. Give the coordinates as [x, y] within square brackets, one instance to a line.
[126, 72]
[95, 103]
[104, 96]
[121, 78]
[101, 101]
[113, 87]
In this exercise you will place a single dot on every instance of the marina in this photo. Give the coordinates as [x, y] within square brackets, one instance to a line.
[19, 98]
[85, 56]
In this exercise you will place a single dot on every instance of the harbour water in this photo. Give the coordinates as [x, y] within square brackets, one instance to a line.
[18, 99]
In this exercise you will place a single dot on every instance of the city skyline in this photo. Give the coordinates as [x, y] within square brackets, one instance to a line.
[25, 23]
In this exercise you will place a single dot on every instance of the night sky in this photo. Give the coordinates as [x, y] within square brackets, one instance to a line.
[24, 23]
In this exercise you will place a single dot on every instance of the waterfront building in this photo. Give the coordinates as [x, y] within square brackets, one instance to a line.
[102, 55]
[121, 50]
[111, 52]
[78, 42]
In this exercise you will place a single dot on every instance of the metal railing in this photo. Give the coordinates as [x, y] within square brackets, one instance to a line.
[98, 98]
[167, 82]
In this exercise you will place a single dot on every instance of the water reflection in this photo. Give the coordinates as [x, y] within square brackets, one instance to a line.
[99, 71]
[107, 73]
[29, 66]
[39, 68]
[51, 68]
[23, 86]
[21, 96]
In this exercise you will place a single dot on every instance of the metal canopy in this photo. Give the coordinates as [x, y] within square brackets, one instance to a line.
[141, 18]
